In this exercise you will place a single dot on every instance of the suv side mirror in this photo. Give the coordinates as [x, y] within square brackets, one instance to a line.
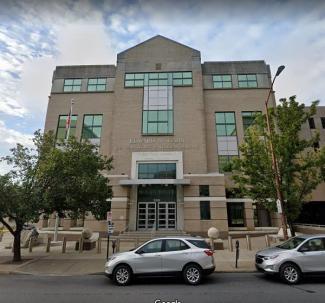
[303, 249]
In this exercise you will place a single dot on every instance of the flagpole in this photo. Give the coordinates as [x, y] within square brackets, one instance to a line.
[57, 218]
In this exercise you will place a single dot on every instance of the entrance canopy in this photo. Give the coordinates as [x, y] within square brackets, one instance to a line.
[155, 181]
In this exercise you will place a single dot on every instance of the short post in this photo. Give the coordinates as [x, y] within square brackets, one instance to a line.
[99, 245]
[248, 242]
[48, 245]
[81, 244]
[30, 244]
[267, 240]
[64, 245]
[230, 247]
[114, 245]
[237, 252]
[107, 249]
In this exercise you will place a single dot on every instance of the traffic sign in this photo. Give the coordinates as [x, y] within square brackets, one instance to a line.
[110, 228]
[279, 206]
[109, 216]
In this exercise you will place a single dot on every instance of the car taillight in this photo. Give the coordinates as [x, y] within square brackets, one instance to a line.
[209, 252]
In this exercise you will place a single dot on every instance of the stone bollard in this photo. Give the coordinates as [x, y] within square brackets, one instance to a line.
[248, 242]
[64, 245]
[213, 233]
[48, 245]
[267, 240]
[230, 246]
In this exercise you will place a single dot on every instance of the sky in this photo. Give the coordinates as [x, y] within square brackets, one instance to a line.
[37, 35]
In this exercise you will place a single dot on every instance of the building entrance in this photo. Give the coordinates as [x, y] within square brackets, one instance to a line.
[156, 207]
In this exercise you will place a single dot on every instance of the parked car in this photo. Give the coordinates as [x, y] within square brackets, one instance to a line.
[190, 257]
[294, 258]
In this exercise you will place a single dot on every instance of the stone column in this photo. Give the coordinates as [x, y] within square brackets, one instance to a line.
[133, 208]
[180, 207]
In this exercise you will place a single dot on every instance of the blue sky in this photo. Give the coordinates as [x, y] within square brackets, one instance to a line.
[35, 36]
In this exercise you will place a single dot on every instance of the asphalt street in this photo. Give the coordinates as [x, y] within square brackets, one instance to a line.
[219, 287]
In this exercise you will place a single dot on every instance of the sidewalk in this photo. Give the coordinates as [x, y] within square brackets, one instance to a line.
[72, 262]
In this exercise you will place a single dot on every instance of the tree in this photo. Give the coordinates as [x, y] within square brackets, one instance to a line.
[67, 178]
[301, 164]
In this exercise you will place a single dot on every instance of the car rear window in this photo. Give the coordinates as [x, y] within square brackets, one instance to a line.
[199, 243]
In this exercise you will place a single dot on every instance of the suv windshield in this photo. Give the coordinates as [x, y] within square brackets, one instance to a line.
[199, 243]
[292, 243]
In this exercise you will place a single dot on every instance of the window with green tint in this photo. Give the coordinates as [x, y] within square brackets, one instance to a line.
[236, 214]
[247, 80]
[158, 79]
[226, 138]
[249, 118]
[72, 85]
[204, 190]
[97, 84]
[222, 81]
[92, 128]
[205, 211]
[157, 171]
[157, 122]
[224, 161]
[62, 130]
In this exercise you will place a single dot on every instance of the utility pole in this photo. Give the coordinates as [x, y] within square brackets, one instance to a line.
[275, 166]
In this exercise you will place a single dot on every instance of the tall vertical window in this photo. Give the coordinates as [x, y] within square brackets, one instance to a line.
[247, 80]
[72, 85]
[157, 116]
[311, 122]
[249, 118]
[205, 213]
[97, 84]
[204, 190]
[92, 128]
[226, 138]
[62, 130]
[322, 119]
[222, 81]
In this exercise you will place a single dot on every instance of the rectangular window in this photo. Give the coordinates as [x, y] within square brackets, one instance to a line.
[157, 115]
[157, 171]
[311, 123]
[236, 212]
[62, 130]
[322, 119]
[97, 84]
[158, 79]
[205, 213]
[247, 80]
[204, 191]
[249, 118]
[92, 128]
[222, 81]
[226, 138]
[72, 85]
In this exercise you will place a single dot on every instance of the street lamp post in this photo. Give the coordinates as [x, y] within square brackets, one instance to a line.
[274, 161]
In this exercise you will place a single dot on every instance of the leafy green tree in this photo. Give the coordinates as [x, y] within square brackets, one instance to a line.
[68, 179]
[301, 165]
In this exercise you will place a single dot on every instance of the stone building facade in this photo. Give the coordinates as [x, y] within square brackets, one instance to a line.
[171, 123]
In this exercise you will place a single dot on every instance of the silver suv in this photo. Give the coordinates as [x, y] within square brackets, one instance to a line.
[191, 257]
[294, 258]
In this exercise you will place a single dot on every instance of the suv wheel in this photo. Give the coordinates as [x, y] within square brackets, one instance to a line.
[290, 273]
[122, 275]
[192, 274]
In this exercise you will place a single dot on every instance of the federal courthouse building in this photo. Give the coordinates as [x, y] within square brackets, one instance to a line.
[171, 123]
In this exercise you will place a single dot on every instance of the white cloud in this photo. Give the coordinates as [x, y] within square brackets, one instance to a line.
[10, 137]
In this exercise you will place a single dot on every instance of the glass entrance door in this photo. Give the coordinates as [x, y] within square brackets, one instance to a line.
[166, 215]
[147, 215]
